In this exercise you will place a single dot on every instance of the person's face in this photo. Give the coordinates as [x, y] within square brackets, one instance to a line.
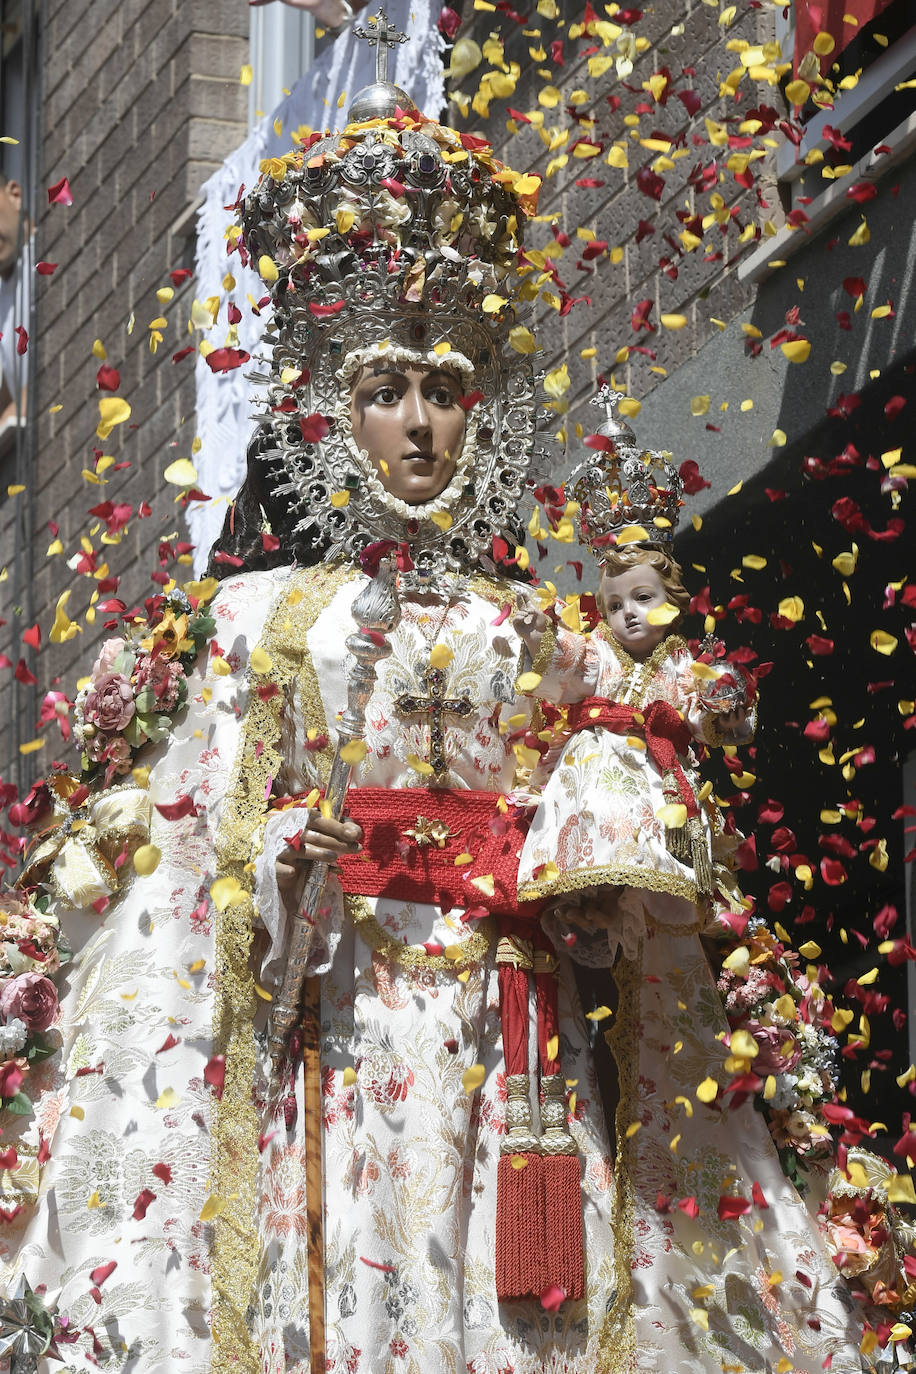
[411, 422]
[626, 600]
[10, 210]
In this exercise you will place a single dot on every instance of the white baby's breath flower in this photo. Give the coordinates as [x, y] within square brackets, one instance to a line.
[12, 1036]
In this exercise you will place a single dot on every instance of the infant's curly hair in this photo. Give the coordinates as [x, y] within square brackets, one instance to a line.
[621, 559]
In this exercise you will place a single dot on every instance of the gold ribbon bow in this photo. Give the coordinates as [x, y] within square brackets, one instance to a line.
[72, 860]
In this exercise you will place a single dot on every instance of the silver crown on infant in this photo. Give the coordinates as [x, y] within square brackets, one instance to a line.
[626, 494]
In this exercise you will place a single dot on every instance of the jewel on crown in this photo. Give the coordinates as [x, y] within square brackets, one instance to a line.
[626, 494]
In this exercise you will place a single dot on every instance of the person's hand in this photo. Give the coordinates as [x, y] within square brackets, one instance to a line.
[323, 841]
[332, 13]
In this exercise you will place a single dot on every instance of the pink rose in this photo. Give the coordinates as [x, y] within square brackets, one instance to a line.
[32, 998]
[104, 664]
[110, 703]
[779, 1051]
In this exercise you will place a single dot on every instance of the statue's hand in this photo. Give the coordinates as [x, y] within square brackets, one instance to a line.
[324, 841]
[530, 625]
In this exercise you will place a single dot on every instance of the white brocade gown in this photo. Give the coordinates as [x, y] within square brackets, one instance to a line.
[200, 1202]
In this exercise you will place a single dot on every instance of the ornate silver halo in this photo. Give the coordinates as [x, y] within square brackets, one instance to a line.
[398, 237]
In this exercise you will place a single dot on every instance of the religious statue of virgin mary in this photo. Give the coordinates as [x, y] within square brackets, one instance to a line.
[420, 1179]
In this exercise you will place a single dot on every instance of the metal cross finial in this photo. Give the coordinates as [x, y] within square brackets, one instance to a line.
[607, 398]
[381, 35]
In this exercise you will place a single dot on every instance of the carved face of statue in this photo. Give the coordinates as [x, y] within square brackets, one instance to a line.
[411, 422]
[625, 600]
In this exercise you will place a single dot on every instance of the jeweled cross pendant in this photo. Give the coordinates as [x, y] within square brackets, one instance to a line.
[382, 35]
[435, 705]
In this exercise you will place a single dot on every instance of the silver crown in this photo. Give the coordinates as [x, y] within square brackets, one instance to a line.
[403, 233]
[626, 494]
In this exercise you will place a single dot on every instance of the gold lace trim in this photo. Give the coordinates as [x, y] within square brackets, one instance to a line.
[546, 650]
[473, 950]
[641, 674]
[617, 1341]
[610, 875]
[309, 691]
[234, 1163]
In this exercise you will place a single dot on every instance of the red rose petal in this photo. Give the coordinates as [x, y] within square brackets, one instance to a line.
[314, 428]
[173, 811]
[60, 193]
[552, 1297]
[144, 1198]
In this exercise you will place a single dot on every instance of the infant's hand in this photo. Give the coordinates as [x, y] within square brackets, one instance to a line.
[734, 723]
[530, 622]
[530, 625]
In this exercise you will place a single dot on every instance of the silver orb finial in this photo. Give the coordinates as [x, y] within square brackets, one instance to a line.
[382, 98]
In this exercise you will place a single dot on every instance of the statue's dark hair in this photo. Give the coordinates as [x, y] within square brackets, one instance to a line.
[258, 506]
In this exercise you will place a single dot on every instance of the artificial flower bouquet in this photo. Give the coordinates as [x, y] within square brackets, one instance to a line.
[138, 684]
[31, 953]
[783, 1049]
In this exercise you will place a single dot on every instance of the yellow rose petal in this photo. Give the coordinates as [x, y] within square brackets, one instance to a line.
[146, 859]
[113, 410]
[472, 1078]
[260, 661]
[181, 473]
[212, 1207]
[440, 656]
[227, 892]
[882, 642]
[796, 350]
[354, 752]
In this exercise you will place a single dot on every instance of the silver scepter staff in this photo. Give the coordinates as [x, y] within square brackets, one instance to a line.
[377, 613]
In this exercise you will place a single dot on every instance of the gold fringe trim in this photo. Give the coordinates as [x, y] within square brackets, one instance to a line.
[234, 1162]
[610, 875]
[617, 1341]
[472, 951]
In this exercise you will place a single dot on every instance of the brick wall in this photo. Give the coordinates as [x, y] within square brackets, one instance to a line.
[683, 34]
[142, 101]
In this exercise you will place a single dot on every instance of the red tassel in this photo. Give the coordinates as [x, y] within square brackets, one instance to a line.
[563, 1244]
[519, 1227]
